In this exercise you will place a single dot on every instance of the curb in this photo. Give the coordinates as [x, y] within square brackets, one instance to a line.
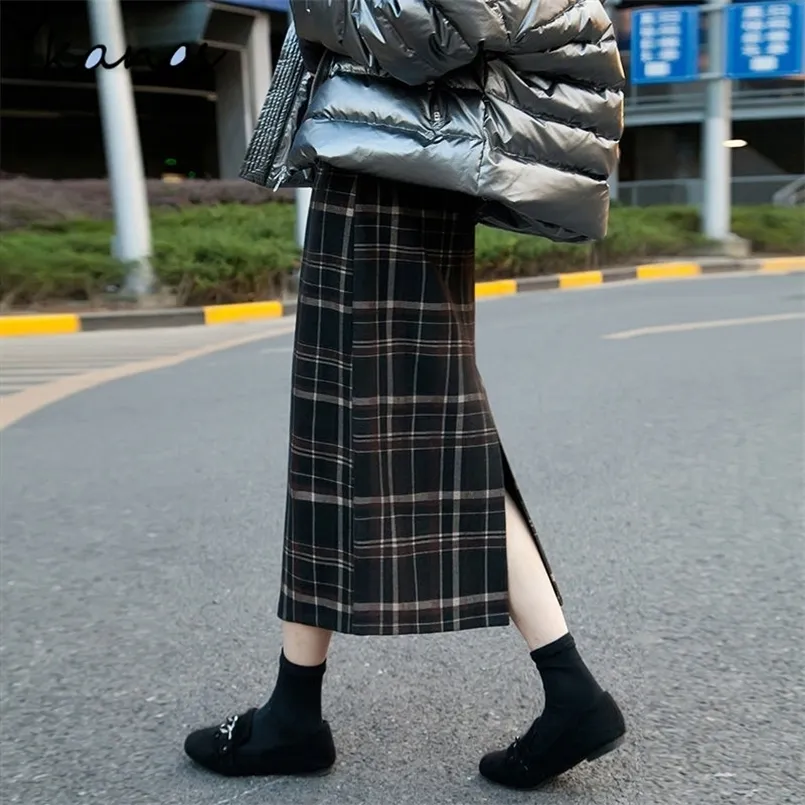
[211, 315]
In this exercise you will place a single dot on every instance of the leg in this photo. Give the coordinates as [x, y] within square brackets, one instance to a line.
[305, 645]
[287, 735]
[580, 721]
[533, 605]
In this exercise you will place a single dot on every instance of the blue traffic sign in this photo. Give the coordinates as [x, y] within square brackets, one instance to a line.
[260, 5]
[765, 40]
[665, 45]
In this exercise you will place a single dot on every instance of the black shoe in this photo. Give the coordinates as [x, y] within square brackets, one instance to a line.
[528, 764]
[229, 750]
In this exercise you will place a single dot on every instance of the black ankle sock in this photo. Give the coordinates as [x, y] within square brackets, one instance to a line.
[295, 705]
[569, 685]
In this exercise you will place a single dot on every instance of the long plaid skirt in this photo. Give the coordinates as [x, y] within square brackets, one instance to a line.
[395, 519]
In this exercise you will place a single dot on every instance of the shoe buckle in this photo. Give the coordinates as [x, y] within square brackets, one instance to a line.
[226, 730]
[515, 755]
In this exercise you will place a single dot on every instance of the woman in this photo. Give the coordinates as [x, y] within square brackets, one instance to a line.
[403, 516]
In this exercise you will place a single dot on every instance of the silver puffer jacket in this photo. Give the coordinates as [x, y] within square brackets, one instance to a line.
[516, 102]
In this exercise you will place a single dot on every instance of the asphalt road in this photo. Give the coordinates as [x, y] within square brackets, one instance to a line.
[141, 532]
[29, 362]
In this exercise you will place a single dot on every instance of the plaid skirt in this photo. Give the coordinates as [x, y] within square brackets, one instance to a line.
[395, 519]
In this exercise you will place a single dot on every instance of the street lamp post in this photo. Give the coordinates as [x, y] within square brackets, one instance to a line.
[611, 7]
[124, 162]
[303, 196]
[717, 156]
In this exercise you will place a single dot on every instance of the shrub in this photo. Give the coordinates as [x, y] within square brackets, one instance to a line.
[771, 229]
[226, 253]
[37, 266]
[635, 233]
[203, 255]
[232, 252]
[638, 233]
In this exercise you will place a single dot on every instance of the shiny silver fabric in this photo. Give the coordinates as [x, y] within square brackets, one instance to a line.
[516, 102]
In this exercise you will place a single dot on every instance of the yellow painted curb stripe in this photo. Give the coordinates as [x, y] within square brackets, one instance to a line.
[783, 264]
[495, 288]
[51, 324]
[665, 271]
[228, 314]
[580, 279]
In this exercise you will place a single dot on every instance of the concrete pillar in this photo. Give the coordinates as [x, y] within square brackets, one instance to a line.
[233, 112]
[614, 184]
[717, 158]
[260, 62]
[124, 159]
[241, 83]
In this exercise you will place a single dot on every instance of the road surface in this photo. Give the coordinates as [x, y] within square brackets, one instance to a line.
[141, 529]
[28, 362]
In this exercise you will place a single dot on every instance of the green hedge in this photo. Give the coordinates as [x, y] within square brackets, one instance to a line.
[238, 252]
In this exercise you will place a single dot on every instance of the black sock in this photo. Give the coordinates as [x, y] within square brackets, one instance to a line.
[569, 685]
[295, 705]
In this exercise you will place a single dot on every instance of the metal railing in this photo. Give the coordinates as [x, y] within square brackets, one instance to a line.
[670, 97]
[746, 94]
[746, 190]
[792, 195]
[687, 95]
